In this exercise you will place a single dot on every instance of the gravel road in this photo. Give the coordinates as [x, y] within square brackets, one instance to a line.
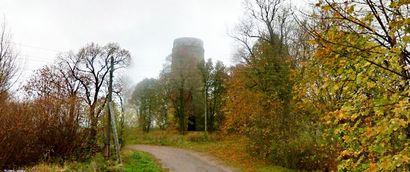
[179, 160]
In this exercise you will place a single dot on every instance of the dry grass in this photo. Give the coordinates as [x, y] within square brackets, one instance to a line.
[46, 168]
[232, 150]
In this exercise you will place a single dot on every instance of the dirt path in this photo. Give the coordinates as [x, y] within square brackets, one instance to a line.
[179, 160]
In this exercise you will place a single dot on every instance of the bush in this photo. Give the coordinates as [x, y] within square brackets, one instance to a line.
[303, 152]
[38, 131]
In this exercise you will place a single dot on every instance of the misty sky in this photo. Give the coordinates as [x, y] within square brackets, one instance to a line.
[43, 28]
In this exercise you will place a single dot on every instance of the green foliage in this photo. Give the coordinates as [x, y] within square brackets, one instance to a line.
[140, 162]
[146, 99]
[214, 78]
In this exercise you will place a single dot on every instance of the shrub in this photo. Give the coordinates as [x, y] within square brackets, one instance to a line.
[38, 131]
[300, 153]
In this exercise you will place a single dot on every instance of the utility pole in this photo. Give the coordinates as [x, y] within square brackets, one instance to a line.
[108, 129]
[206, 105]
[205, 77]
[206, 113]
[121, 133]
[111, 120]
[114, 129]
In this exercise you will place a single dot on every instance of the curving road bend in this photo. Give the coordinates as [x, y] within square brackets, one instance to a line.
[179, 160]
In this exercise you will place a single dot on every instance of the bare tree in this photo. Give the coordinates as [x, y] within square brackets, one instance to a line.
[266, 20]
[8, 57]
[90, 66]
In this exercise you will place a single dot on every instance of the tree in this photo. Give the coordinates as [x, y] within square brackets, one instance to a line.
[145, 99]
[57, 111]
[264, 37]
[259, 93]
[217, 101]
[206, 69]
[181, 99]
[265, 76]
[214, 78]
[55, 83]
[164, 92]
[267, 21]
[8, 56]
[120, 91]
[363, 53]
[90, 66]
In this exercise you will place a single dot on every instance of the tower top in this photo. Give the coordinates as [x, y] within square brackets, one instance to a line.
[188, 41]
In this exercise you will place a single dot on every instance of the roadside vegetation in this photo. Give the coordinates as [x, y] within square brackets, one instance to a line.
[133, 161]
[140, 162]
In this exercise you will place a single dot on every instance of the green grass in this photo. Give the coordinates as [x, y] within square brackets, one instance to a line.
[140, 162]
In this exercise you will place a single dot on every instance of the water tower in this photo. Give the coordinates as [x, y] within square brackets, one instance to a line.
[187, 55]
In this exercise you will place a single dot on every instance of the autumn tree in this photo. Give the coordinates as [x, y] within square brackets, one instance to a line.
[263, 36]
[262, 85]
[259, 99]
[53, 83]
[363, 53]
[59, 109]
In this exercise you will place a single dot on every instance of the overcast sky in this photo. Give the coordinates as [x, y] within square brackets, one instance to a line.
[43, 28]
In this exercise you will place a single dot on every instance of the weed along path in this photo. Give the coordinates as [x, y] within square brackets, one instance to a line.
[179, 160]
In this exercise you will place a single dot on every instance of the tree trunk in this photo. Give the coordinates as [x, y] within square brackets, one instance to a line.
[93, 127]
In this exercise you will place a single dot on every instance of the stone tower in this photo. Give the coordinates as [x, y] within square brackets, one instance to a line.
[187, 54]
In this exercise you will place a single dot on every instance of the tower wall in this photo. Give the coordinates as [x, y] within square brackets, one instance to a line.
[187, 54]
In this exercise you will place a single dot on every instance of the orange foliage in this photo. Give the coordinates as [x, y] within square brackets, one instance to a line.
[36, 131]
[243, 104]
[45, 128]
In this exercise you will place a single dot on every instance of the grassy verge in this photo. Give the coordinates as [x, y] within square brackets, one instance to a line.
[230, 149]
[96, 163]
[133, 161]
[140, 162]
